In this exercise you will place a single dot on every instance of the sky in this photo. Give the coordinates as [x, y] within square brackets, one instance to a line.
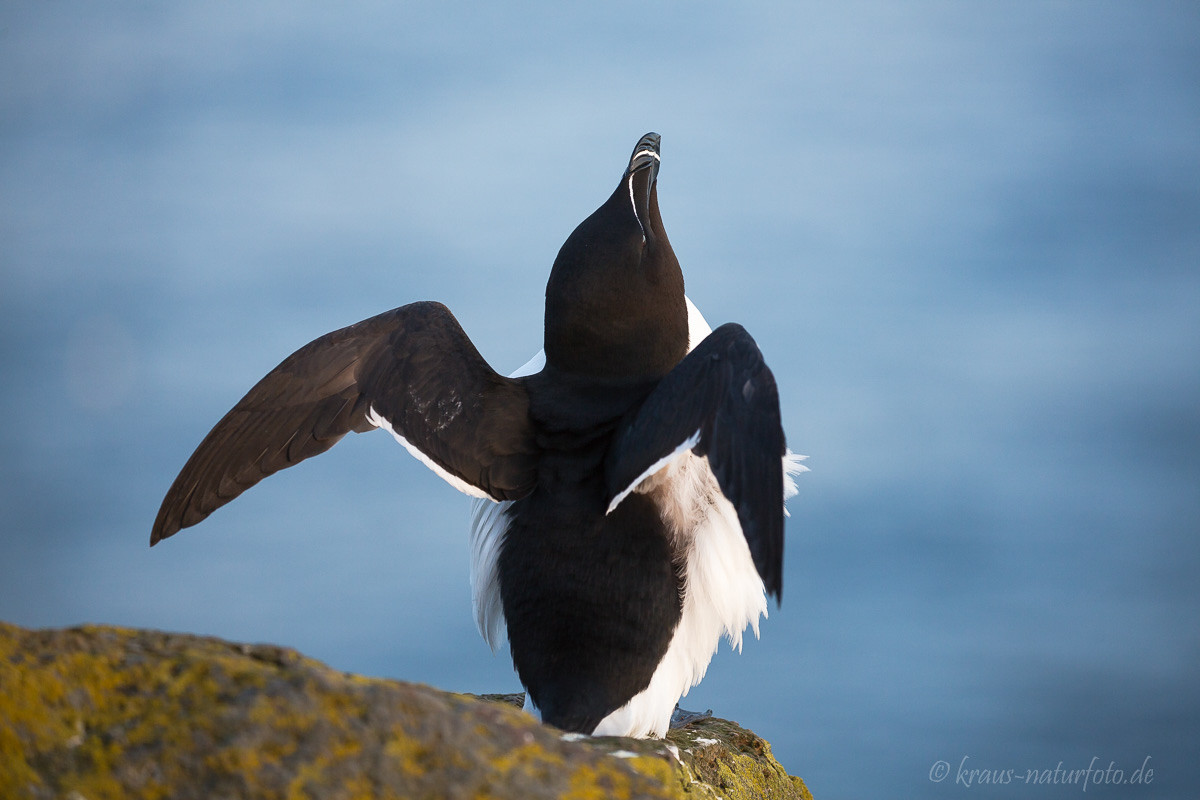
[966, 237]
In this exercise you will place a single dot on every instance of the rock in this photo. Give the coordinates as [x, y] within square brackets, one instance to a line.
[100, 712]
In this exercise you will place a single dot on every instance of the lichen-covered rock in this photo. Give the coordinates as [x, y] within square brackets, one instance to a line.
[99, 712]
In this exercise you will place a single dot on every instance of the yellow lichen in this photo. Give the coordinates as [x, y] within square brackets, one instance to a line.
[99, 712]
[411, 755]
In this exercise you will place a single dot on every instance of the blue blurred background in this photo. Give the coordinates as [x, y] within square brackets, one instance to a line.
[966, 236]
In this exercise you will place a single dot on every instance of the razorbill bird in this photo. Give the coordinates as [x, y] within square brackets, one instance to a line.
[629, 477]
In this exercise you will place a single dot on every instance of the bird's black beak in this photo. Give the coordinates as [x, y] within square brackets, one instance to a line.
[641, 175]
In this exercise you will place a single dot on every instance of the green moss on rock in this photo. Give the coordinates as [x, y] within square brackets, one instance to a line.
[100, 712]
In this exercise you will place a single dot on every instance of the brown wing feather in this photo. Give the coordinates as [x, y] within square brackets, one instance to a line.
[414, 365]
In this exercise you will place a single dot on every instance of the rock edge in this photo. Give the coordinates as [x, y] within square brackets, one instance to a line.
[97, 712]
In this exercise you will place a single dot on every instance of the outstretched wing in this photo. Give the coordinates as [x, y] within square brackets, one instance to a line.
[720, 401]
[411, 370]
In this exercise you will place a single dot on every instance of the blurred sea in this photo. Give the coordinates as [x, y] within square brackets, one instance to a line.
[966, 236]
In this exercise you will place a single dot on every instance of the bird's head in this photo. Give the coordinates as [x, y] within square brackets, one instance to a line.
[615, 305]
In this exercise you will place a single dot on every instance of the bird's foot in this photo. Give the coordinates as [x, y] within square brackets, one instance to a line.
[681, 718]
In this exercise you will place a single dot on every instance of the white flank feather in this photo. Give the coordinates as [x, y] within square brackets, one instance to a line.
[489, 522]
[723, 594]
[791, 470]
[698, 327]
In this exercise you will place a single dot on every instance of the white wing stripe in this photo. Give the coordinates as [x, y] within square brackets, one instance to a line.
[687, 445]
[375, 419]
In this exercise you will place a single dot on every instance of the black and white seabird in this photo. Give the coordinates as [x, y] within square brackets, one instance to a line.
[629, 482]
